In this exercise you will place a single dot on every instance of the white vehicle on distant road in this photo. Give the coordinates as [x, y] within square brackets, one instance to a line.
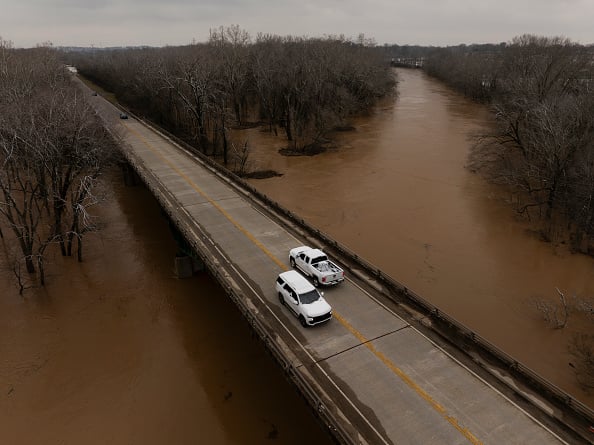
[315, 264]
[302, 299]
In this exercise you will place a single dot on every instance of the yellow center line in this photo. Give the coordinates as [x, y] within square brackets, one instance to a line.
[385, 360]
[409, 381]
[251, 237]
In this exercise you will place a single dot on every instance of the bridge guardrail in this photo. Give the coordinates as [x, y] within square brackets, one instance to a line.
[555, 393]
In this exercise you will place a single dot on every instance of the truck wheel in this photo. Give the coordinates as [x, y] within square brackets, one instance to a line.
[292, 261]
[302, 321]
[281, 299]
[316, 282]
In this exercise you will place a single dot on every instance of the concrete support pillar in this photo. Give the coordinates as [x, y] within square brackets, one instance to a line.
[186, 266]
[131, 178]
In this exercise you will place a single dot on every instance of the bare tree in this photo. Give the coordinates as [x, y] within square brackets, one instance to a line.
[556, 315]
[240, 157]
[23, 196]
[544, 128]
[266, 62]
[231, 49]
[50, 141]
[581, 344]
[581, 348]
[191, 77]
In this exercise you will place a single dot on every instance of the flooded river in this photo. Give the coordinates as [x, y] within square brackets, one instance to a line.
[396, 192]
[116, 350]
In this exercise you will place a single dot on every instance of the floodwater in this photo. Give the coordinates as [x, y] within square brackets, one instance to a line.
[396, 191]
[116, 350]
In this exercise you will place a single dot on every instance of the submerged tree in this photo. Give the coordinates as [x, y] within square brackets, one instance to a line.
[52, 148]
[544, 130]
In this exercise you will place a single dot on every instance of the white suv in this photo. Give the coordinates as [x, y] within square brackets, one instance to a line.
[304, 300]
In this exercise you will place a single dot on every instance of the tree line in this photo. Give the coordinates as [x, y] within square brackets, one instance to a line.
[301, 87]
[53, 149]
[541, 146]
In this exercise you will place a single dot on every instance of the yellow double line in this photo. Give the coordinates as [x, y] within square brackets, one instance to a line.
[364, 341]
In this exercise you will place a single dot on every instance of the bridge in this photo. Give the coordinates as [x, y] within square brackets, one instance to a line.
[408, 62]
[381, 371]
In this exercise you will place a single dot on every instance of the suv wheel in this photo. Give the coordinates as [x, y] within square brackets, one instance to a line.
[281, 299]
[302, 321]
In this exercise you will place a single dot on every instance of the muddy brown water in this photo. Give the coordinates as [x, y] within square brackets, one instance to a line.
[396, 191]
[117, 350]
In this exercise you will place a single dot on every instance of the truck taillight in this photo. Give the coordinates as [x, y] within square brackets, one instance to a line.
[323, 279]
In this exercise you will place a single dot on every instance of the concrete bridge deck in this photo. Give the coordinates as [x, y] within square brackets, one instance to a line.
[376, 378]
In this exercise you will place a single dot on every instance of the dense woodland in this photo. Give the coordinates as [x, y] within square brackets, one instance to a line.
[541, 147]
[301, 87]
[52, 151]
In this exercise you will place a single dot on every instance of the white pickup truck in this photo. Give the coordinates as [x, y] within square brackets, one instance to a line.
[315, 264]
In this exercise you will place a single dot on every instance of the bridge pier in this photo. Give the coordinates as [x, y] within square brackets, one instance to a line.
[186, 266]
[131, 178]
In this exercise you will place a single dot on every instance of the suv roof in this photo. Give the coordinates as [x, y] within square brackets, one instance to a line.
[297, 281]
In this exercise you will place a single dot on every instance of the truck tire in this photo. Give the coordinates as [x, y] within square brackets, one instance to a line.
[292, 261]
[281, 299]
[316, 283]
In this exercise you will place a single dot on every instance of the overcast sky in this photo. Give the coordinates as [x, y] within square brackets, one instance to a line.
[178, 22]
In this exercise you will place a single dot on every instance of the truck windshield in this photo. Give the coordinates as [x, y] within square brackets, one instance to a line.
[309, 297]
